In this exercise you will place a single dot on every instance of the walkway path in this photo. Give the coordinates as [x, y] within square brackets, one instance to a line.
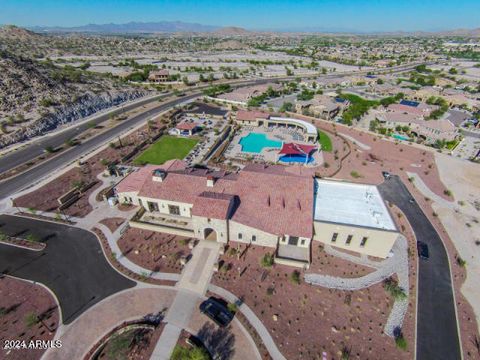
[398, 264]
[192, 285]
[355, 141]
[80, 336]
[425, 190]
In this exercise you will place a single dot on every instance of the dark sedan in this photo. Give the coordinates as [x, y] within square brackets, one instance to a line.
[216, 311]
[422, 250]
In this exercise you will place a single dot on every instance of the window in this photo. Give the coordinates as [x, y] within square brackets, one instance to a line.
[173, 210]
[349, 239]
[254, 238]
[239, 236]
[293, 240]
[152, 206]
[140, 202]
[334, 237]
[302, 242]
[364, 241]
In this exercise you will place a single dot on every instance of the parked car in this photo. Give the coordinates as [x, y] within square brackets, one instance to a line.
[422, 249]
[216, 311]
[386, 175]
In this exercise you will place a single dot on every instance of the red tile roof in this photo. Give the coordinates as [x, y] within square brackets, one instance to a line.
[269, 198]
[186, 126]
[135, 180]
[245, 115]
[213, 205]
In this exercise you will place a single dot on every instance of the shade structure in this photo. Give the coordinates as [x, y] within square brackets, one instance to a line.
[296, 149]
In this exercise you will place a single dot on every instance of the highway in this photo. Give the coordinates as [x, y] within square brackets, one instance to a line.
[12, 185]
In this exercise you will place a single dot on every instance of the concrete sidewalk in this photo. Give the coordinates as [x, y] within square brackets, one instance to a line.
[191, 287]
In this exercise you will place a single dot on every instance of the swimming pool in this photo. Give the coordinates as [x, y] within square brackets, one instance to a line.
[401, 137]
[255, 142]
[295, 159]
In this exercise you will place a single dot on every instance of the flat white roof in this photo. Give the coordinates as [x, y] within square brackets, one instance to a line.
[312, 130]
[351, 204]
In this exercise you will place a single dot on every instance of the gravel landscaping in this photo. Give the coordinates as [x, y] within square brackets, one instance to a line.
[27, 312]
[154, 251]
[306, 320]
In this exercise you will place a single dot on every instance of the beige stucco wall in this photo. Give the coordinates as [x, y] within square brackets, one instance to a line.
[185, 208]
[220, 226]
[122, 197]
[160, 228]
[263, 238]
[379, 242]
[306, 244]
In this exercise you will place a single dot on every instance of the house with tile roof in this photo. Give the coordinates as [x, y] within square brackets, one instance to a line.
[260, 205]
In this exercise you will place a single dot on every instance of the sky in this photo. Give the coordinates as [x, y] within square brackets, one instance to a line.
[334, 15]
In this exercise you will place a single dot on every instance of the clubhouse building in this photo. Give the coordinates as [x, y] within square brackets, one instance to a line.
[273, 206]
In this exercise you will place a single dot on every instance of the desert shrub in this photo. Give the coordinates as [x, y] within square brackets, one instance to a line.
[295, 277]
[391, 286]
[267, 260]
[401, 342]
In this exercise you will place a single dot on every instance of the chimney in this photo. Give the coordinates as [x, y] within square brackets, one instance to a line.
[159, 175]
[210, 181]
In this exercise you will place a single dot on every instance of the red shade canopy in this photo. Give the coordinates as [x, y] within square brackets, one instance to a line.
[296, 149]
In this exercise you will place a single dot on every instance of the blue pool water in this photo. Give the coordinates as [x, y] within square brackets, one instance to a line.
[255, 142]
[401, 137]
[295, 159]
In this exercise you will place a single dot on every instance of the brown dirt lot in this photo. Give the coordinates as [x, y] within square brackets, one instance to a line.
[312, 319]
[18, 300]
[154, 251]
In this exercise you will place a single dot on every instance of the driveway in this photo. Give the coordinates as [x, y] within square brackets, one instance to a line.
[437, 332]
[72, 264]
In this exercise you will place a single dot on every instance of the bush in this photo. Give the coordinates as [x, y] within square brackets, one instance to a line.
[295, 277]
[267, 260]
[32, 238]
[461, 262]
[395, 291]
[31, 319]
[232, 307]
[401, 342]
[355, 174]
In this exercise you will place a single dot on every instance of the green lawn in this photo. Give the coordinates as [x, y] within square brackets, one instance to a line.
[167, 148]
[324, 141]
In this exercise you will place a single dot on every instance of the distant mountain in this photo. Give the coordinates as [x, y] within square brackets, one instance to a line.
[131, 27]
[232, 31]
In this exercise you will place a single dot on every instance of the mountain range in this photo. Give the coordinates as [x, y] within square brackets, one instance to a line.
[185, 27]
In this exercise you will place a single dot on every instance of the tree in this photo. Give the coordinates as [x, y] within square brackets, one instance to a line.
[194, 353]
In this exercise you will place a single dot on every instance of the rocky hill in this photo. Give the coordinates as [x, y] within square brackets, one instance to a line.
[38, 96]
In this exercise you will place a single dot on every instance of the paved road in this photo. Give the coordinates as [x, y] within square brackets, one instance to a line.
[437, 332]
[31, 151]
[72, 265]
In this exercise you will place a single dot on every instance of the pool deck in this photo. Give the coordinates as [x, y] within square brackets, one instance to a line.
[268, 154]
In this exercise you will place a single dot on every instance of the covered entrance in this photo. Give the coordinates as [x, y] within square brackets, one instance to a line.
[210, 234]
